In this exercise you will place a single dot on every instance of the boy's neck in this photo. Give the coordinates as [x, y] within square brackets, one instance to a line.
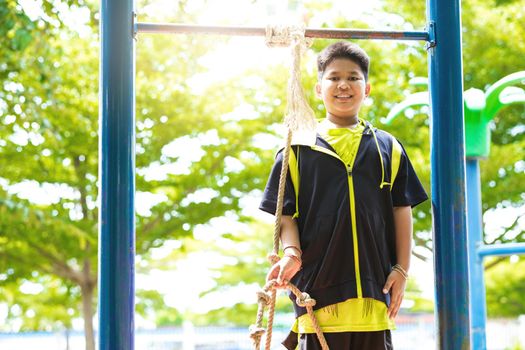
[349, 122]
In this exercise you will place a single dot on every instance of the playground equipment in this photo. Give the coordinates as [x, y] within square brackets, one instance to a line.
[119, 29]
[480, 108]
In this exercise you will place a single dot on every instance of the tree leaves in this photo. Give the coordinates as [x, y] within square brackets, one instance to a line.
[199, 151]
[505, 285]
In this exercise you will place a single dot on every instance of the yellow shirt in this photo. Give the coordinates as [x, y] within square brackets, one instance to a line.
[351, 315]
[345, 141]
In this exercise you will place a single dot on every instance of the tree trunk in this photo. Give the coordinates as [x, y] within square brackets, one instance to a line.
[67, 338]
[87, 287]
[87, 314]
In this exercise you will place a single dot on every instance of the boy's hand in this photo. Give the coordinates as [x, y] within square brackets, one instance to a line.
[284, 270]
[395, 284]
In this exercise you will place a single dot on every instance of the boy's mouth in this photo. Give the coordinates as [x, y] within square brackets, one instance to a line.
[343, 97]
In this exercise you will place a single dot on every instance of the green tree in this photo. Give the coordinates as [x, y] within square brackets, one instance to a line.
[248, 266]
[505, 288]
[489, 32]
[49, 141]
[49, 110]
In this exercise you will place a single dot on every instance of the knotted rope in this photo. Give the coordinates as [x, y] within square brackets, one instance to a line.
[299, 117]
[266, 296]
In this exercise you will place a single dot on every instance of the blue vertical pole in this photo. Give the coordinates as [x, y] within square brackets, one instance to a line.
[117, 177]
[448, 175]
[478, 308]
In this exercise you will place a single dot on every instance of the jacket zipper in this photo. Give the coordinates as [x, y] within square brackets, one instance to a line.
[351, 195]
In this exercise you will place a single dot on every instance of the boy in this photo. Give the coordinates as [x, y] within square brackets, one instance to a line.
[347, 222]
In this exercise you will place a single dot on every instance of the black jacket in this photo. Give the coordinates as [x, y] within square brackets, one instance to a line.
[345, 221]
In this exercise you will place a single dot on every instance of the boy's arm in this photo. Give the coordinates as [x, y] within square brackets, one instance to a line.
[396, 282]
[290, 263]
[290, 236]
[403, 224]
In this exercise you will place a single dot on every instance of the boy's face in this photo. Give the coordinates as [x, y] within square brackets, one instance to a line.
[343, 90]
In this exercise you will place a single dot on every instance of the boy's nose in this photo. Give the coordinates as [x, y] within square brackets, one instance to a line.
[343, 85]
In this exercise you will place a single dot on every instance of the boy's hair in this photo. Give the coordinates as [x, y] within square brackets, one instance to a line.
[343, 49]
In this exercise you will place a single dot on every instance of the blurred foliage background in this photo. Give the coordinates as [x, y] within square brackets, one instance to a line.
[206, 138]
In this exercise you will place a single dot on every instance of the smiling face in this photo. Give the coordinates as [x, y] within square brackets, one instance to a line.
[343, 89]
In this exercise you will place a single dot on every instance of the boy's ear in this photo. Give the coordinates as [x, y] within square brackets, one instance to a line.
[367, 89]
[318, 90]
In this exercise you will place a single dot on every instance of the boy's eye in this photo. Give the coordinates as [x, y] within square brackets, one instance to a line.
[333, 78]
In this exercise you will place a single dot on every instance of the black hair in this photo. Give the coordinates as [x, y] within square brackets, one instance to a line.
[343, 49]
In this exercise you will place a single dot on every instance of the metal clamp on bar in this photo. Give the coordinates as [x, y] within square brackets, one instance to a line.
[431, 41]
[501, 249]
[326, 33]
[135, 29]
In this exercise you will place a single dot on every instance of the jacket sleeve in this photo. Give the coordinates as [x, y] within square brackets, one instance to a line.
[407, 189]
[269, 198]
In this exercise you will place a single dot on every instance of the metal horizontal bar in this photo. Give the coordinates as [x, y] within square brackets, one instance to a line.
[326, 33]
[501, 249]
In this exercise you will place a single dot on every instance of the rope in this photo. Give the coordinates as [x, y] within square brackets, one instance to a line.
[266, 297]
[304, 300]
[271, 313]
[280, 197]
[299, 116]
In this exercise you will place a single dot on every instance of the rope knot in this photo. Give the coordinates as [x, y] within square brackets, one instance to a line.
[263, 297]
[277, 36]
[273, 258]
[283, 36]
[256, 332]
[299, 115]
[304, 300]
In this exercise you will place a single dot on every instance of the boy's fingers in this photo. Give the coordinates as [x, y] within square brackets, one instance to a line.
[280, 276]
[395, 304]
[388, 285]
[392, 309]
[395, 310]
[271, 274]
